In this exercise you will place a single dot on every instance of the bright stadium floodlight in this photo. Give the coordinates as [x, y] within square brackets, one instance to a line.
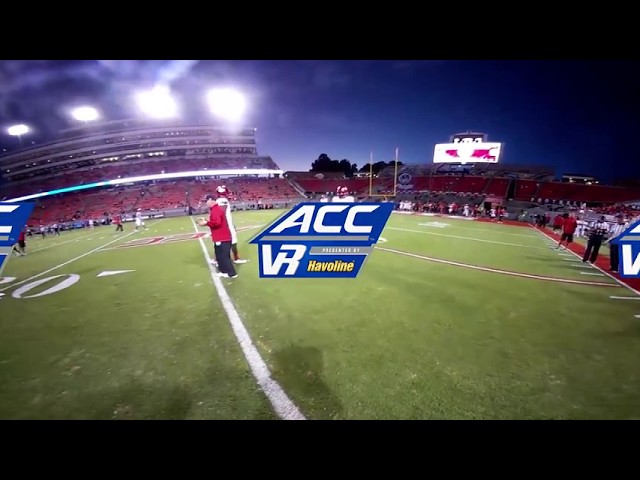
[85, 114]
[228, 104]
[18, 130]
[157, 103]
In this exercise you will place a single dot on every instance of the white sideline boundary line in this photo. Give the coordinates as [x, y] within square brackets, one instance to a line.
[67, 262]
[614, 297]
[499, 271]
[628, 287]
[465, 238]
[282, 404]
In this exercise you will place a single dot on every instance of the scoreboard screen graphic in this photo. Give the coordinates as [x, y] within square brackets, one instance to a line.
[467, 148]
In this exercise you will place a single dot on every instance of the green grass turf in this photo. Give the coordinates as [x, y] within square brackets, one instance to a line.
[408, 338]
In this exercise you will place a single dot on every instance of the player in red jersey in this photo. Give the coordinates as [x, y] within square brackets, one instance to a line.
[557, 222]
[117, 220]
[19, 248]
[221, 237]
[342, 196]
[569, 226]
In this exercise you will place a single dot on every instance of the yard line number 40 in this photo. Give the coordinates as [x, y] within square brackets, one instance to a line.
[69, 279]
[65, 281]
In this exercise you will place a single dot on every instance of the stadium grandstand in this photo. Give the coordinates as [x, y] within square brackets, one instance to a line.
[165, 168]
[121, 166]
[510, 182]
[454, 181]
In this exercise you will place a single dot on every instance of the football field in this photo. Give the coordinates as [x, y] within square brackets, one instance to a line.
[450, 319]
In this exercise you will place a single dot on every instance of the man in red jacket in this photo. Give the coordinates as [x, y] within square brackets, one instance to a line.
[569, 226]
[221, 237]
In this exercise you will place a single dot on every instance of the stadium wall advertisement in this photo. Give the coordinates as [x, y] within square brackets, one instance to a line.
[467, 152]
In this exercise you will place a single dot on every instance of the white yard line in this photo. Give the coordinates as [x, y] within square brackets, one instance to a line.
[613, 297]
[466, 238]
[282, 404]
[499, 271]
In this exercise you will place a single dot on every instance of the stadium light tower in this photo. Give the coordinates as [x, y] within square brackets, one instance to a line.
[18, 131]
[227, 104]
[85, 114]
[157, 103]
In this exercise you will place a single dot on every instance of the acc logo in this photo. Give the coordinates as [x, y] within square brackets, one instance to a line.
[628, 243]
[320, 240]
[13, 217]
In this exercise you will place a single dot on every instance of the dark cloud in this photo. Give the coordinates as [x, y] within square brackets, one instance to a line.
[39, 91]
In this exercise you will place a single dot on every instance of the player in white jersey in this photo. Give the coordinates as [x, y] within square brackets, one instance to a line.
[342, 196]
[139, 222]
[223, 200]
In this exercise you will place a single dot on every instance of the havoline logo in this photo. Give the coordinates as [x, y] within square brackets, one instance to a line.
[13, 217]
[320, 240]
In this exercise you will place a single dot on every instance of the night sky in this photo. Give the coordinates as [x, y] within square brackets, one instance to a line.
[575, 116]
